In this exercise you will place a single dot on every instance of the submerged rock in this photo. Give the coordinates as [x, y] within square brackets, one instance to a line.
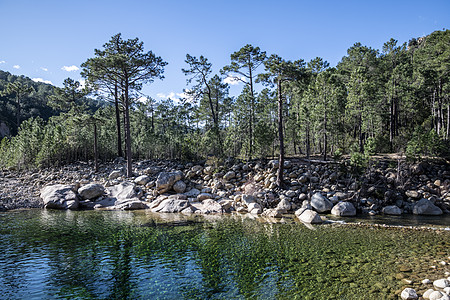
[310, 217]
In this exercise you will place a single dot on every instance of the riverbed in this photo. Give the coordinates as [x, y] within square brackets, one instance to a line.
[47, 254]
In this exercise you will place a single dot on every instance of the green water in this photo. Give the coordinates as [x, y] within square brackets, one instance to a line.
[138, 255]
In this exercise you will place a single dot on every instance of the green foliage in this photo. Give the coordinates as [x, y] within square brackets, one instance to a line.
[358, 162]
[424, 142]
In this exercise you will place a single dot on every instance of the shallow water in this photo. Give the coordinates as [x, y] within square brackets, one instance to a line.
[139, 255]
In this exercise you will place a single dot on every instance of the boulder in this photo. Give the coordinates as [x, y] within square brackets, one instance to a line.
[204, 196]
[130, 204]
[171, 206]
[409, 294]
[284, 205]
[310, 217]
[142, 180]
[192, 193]
[179, 186]
[413, 194]
[229, 175]
[60, 196]
[254, 208]
[392, 210]
[441, 283]
[115, 174]
[91, 191]
[344, 209]
[247, 199]
[122, 191]
[210, 206]
[320, 203]
[166, 180]
[425, 207]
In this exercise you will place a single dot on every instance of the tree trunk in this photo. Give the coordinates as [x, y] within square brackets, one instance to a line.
[280, 135]
[119, 132]
[95, 148]
[325, 140]
[18, 110]
[252, 113]
[127, 132]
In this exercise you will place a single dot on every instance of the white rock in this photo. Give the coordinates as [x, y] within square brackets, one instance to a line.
[142, 180]
[344, 209]
[435, 295]
[115, 174]
[254, 208]
[320, 203]
[427, 293]
[310, 217]
[441, 283]
[427, 281]
[447, 290]
[409, 294]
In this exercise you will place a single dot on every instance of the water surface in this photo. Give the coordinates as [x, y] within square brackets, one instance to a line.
[139, 255]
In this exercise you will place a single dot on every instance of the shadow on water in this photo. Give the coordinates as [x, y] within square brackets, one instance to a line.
[139, 255]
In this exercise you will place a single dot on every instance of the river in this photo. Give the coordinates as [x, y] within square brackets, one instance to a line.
[48, 254]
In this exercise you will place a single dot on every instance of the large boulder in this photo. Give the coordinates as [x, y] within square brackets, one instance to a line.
[320, 203]
[130, 204]
[392, 210]
[142, 180]
[60, 196]
[171, 206]
[425, 207]
[310, 217]
[122, 191]
[166, 180]
[91, 191]
[209, 206]
[344, 209]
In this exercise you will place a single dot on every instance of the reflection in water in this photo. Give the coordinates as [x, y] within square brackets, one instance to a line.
[140, 255]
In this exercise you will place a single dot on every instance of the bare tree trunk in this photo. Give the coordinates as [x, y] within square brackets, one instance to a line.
[95, 147]
[119, 132]
[127, 132]
[280, 135]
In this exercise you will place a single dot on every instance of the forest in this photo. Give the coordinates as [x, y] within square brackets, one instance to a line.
[374, 101]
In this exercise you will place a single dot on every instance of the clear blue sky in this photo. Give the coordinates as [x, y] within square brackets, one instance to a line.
[39, 38]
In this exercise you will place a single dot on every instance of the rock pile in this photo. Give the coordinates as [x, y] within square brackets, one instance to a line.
[250, 188]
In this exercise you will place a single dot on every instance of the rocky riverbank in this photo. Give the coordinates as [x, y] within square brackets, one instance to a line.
[387, 187]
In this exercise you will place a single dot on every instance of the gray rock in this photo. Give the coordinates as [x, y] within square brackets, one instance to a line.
[392, 210]
[171, 206]
[425, 207]
[204, 196]
[166, 180]
[254, 208]
[91, 191]
[344, 209]
[211, 207]
[192, 193]
[60, 196]
[179, 186]
[142, 180]
[115, 174]
[247, 199]
[272, 213]
[409, 294]
[441, 283]
[229, 175]
[130, 204]
[284, 205]
[320, 203]
[274, 163]
[413, 194]
[122, 191]
[435, 295]
[310, 217]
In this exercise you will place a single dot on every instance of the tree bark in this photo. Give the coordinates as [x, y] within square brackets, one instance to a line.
[127, 131]
[95, 147]
[280, 135]
[119, 133]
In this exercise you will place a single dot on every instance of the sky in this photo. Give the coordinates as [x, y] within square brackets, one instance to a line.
[48, 40]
